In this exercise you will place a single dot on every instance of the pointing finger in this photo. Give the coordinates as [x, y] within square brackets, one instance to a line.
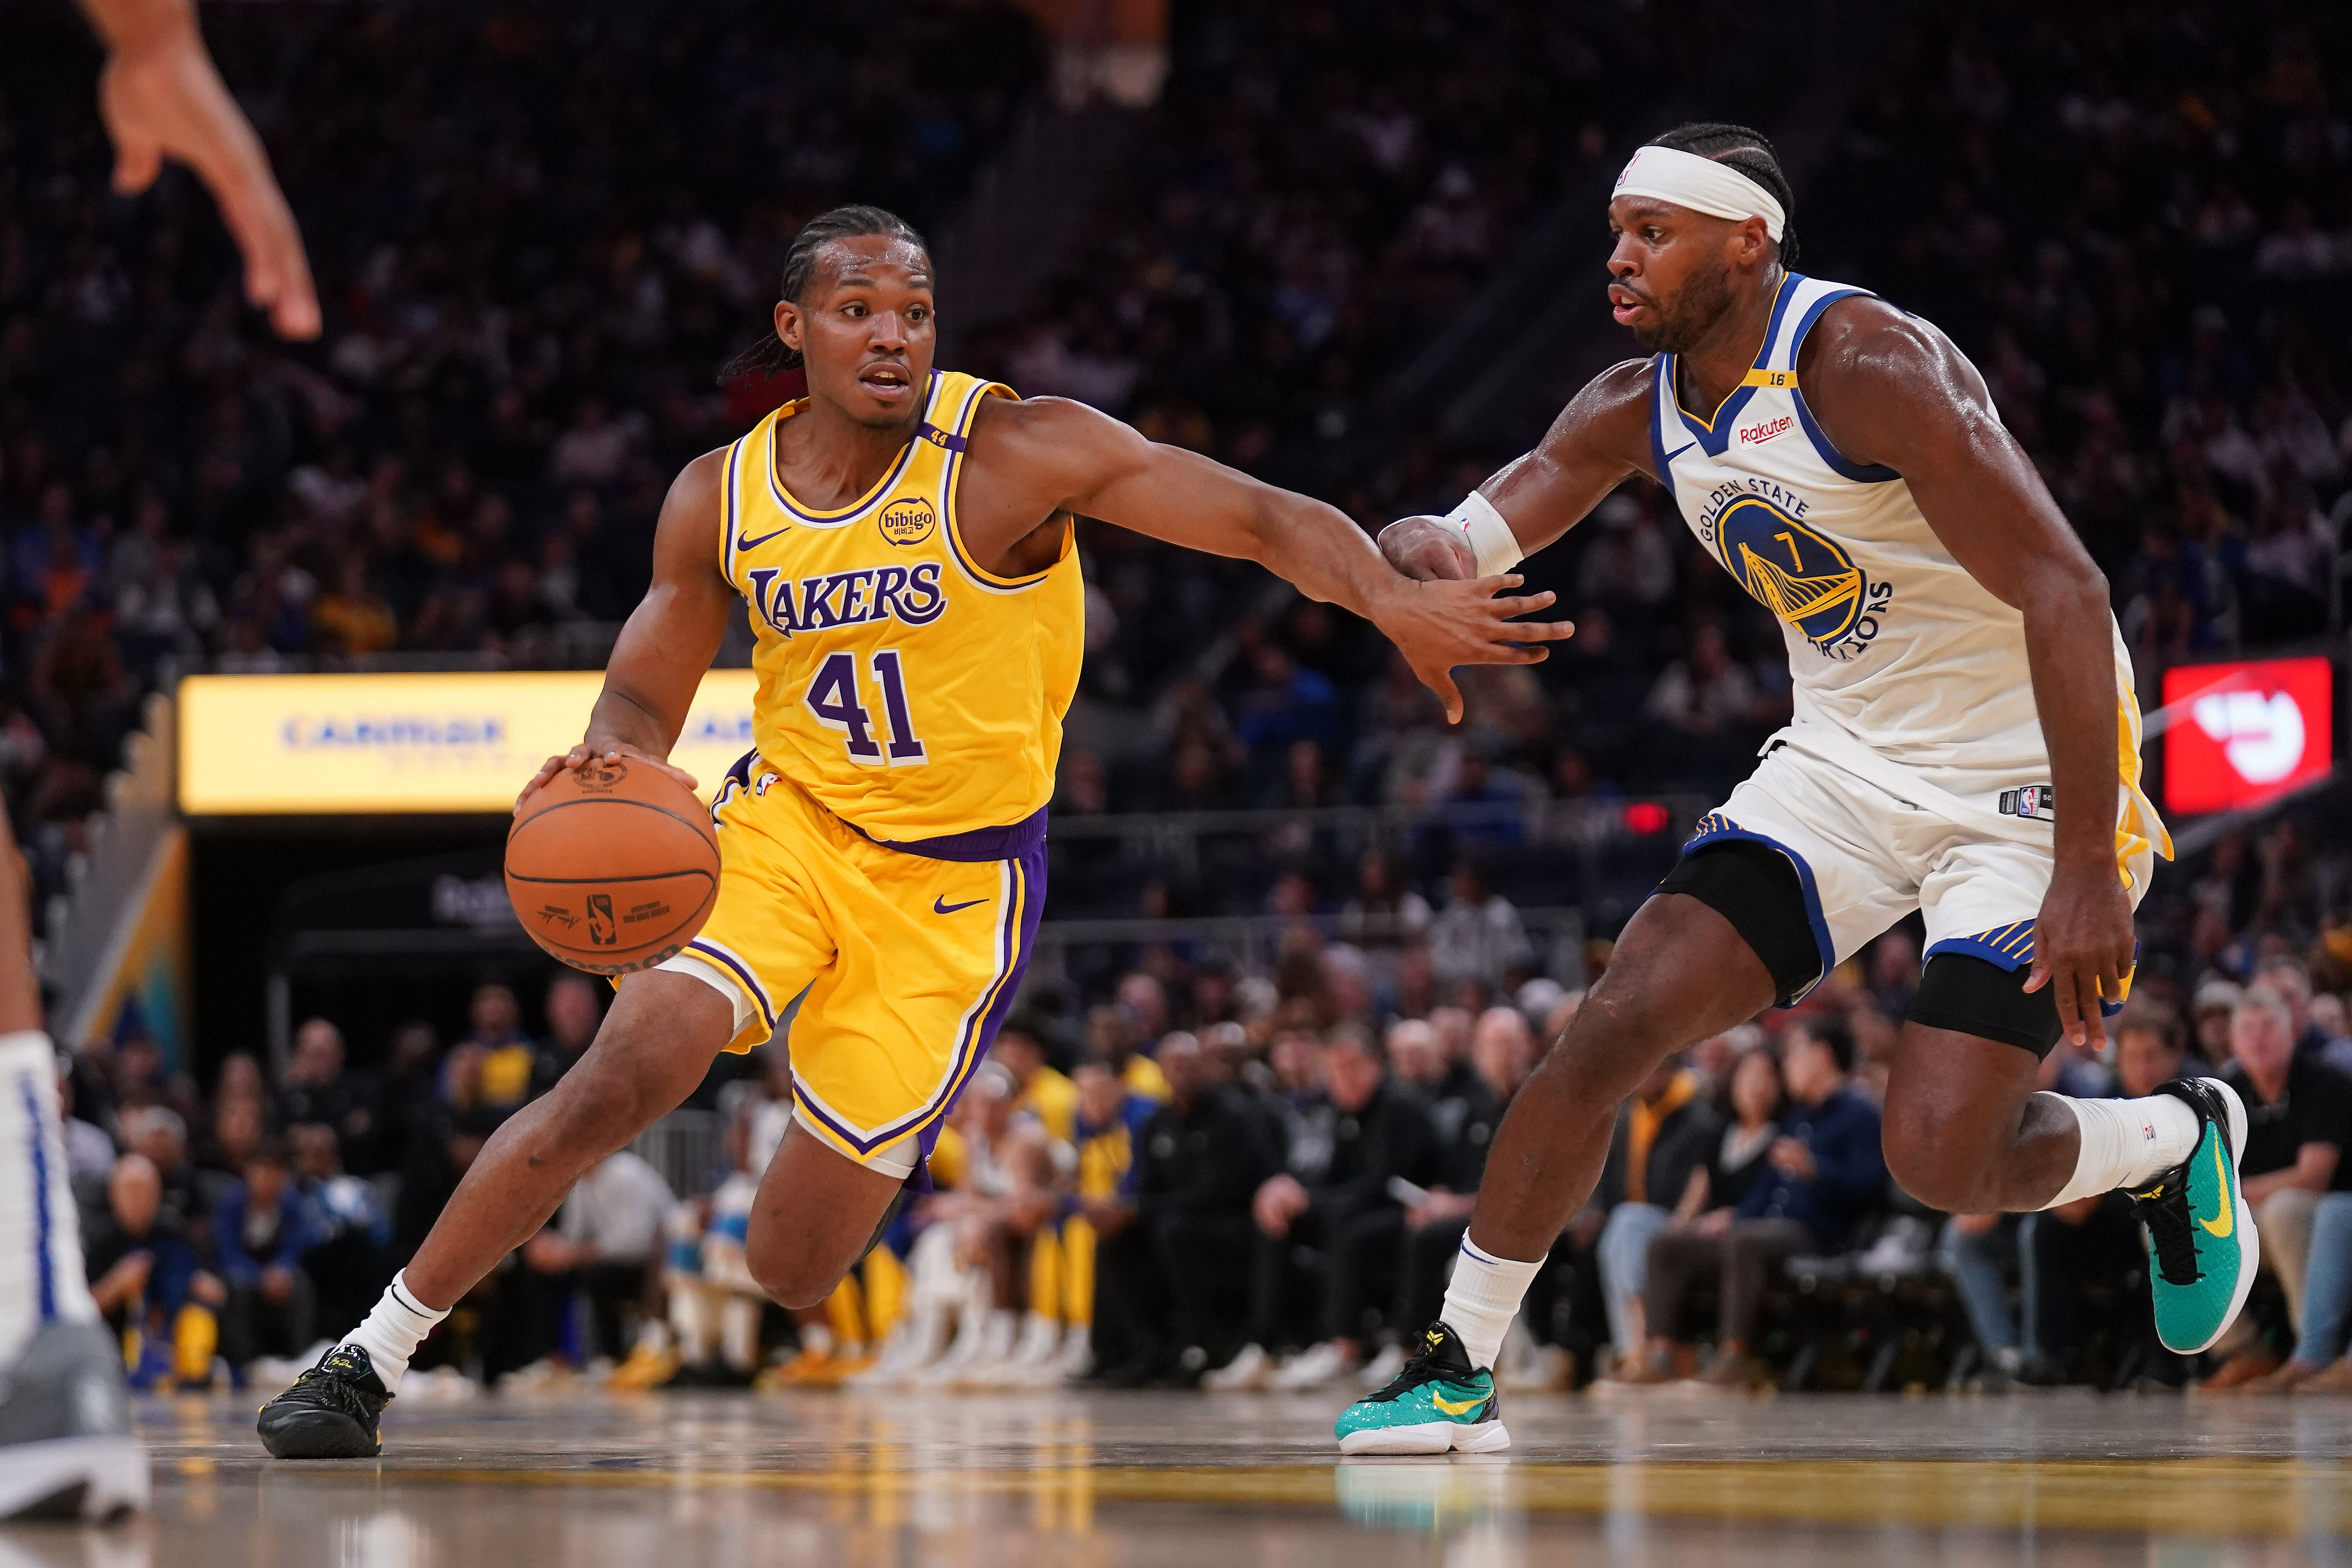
[1442, 682]
[136, 164]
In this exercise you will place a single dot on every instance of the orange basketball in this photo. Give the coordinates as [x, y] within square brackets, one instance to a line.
[613, 868]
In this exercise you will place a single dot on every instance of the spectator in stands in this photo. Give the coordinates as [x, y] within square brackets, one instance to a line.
[241, 1082]
[259, 1233]
[238, 1130]
[2298, 1121]
[1327, 1253]
[1177, 1279]
[90, 1152]
[1127, 1331]
[1655, 1175]
[407, 1101]
[149, 1282]
[1041, 1091]
[319, 1086]
[604, 1243]
[2217, 1002]
[507, 1055]
[2289, 978]
[1478, 943]
[157, 1131]
[1824, 1173]
[1005, 1202]
[347, 1230]
[575, 1008]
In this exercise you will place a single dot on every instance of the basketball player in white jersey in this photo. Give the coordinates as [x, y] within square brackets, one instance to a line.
[1966, 743]
[67, 1450]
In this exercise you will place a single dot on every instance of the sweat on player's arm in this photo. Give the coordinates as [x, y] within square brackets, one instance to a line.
[1892, 390]
[1049, 456]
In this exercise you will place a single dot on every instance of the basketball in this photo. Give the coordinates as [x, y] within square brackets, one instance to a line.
[611, 867]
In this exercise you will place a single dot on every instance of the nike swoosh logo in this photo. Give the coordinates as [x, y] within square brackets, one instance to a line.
[2219, 1229]
[1680, 450]
[939, 906]
[1450, 1408]
[750, 543]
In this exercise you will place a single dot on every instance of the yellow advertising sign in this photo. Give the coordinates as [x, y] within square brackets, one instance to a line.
[318, 744]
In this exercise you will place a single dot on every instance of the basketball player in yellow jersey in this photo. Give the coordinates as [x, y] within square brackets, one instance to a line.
[902, 540]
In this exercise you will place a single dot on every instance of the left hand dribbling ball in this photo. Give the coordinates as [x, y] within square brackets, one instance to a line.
[612, 866]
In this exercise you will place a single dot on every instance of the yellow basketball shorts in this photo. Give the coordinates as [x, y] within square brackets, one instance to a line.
[909, 953]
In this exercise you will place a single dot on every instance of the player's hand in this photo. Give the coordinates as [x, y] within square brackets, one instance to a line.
[1424, 549]
[1439, 623]
[2083, 946]
[579, 756]
[165, 101]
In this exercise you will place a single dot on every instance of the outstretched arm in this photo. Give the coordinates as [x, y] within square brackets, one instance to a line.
[1047, 455]
[1891, 390]
[161, 97]
[1601, 437]
[670, 639]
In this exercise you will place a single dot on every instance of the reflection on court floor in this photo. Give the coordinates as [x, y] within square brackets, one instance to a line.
[1046, 1480]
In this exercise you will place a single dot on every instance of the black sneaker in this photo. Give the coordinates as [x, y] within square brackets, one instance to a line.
[1438, 1404]
[330, 1413]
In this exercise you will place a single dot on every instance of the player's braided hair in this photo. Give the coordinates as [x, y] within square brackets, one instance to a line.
[800, 266]
[1737, 147]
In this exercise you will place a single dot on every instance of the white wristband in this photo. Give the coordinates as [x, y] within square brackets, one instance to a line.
[1489, 537]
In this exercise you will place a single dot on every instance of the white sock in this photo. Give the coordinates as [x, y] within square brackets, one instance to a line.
[393, 1330]
[1483, 1298]
[41, 1276]
[2126, 1141]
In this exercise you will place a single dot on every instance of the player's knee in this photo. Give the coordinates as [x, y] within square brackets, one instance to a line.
[793, 1279]
[1926, 1160]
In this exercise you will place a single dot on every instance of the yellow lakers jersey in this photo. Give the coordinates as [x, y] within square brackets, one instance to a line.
[913, 693]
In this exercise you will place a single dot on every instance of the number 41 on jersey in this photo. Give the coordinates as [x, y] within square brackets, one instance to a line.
[832, 698]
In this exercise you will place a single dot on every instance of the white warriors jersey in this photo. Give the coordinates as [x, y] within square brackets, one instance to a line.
[1899, 655]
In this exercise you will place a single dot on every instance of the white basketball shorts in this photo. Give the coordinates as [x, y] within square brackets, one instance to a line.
[1865, 858]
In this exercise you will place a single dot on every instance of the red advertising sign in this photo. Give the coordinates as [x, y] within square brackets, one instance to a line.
[2243, 733]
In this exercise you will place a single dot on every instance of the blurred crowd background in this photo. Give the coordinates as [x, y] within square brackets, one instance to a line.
[539, 232]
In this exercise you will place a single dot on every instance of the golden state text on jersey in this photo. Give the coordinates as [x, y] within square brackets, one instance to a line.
[913, 693]
[1802, 573]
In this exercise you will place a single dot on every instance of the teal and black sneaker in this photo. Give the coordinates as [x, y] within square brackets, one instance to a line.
[2202, 1246]
[1438, 1404]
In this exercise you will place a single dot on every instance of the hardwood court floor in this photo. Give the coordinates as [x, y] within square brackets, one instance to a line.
[1049, 1478]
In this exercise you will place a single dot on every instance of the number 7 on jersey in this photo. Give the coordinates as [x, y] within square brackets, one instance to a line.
[833, 698]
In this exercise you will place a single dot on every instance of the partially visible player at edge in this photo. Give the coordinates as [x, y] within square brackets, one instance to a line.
[1966, 743]
[67, 1449]
[905, 539]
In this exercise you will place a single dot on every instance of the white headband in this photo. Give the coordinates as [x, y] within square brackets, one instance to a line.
[1701, 185]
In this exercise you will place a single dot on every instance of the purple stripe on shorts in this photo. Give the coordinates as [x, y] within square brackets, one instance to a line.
[1017, 842]
[712, 951]
[1030, 869]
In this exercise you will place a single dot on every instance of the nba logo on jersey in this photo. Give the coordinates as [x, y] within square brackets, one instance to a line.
[906, 523]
